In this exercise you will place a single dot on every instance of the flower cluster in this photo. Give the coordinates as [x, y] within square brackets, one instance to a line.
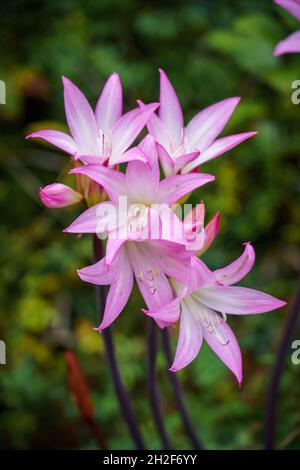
[152, 237]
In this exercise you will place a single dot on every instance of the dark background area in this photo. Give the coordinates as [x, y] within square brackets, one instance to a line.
[211, 50]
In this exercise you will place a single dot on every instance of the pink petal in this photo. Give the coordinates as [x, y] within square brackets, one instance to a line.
[237, 270]
[113, 246]
[186, 159]
[207, 125]
[157, 129]
[171, 258]
[81, 119]
[58, 195]
[143, 180]
[57, 138]
[238, 300]
[99, 218]
[200, 275]
[127, 128]
[289, 45]
[99, 273]
[189, 341]
[119, 292]
[110, 104]
[223, 342]
[210, 232]
[114, 182]
[218, 147]
[170, 110]
[167, 313]
[195, 217]
[167, 163]
[88, 159]
[133, 154]
[172, 228]
[152, 282]
[173, 188]
[292, 6]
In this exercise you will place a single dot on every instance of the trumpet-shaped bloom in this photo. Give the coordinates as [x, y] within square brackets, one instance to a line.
[182, 149]
[291, 44]
[203, 304]
[103, 136]
[139, 206]
[58, 195]
[150, 262]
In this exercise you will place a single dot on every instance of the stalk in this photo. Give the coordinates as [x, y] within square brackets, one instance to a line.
[153, 392]
[178, 394]
[121, 392]
[273, 394]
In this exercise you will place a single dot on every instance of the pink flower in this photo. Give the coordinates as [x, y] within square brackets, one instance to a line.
[150, 262]
[102, 137]
[185, 148]
[200, 303]
[150, 258]
[149, 215]
[58, 195]
[292, 43]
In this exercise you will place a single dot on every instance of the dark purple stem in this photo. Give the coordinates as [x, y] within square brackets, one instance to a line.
[154, 397]
[120, 389]
[178, 394]
[273, 394]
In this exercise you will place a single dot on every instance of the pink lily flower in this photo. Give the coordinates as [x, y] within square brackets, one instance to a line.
[150, 263]
[149, 215]
[58, 195]
[147, 258]
[182, 149]
[103, 136]
[202, 307]
[292, 43]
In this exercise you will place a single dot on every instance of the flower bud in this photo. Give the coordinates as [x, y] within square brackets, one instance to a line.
[58, 195]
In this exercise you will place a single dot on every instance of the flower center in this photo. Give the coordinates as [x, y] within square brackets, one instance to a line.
[104, 143]
[210, 320]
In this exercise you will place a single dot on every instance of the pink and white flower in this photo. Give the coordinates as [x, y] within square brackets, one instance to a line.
[291, 44]
[182, 149]
[103, 136]
[149, 215]
[202, 306]
[151, 259]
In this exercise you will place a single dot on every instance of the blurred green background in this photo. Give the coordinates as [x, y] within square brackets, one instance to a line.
[211, 50]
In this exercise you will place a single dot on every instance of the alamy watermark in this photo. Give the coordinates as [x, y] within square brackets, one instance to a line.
[123, 221]
[2, 92]
[295, 97]
[295, 357]
[2, 352]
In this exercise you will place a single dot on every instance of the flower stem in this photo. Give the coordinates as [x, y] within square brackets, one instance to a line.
[154, 396]
[120, 389]
[273, 393]
[178, 394]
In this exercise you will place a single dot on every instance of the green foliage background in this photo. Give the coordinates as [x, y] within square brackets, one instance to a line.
[211, 50]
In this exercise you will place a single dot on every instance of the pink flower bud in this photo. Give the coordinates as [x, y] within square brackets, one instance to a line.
[57, 195]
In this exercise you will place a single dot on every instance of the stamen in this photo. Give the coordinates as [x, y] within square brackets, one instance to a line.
[211, 324]
[152, 273]
[224, 316]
